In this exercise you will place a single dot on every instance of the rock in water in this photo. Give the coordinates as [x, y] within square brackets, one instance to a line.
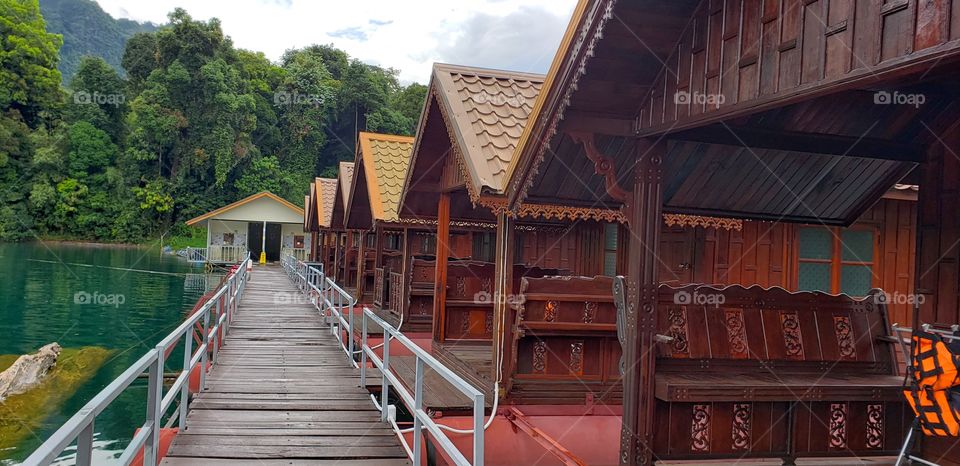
[28, 371]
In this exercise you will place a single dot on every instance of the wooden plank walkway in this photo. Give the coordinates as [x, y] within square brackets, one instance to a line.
[282, 392]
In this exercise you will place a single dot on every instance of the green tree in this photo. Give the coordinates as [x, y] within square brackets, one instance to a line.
[99, 97]
[265, 174]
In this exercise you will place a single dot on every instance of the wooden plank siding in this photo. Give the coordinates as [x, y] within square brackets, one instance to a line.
[754, 51]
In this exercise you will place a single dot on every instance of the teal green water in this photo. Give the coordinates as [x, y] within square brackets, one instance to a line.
[42, 288]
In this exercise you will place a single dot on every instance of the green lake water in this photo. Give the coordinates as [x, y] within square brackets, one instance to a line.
[123, 299]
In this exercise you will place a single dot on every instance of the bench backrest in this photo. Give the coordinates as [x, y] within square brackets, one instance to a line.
[736, 326]
[565, 332]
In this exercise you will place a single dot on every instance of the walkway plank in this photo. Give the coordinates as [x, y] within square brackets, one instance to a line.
[282, 392]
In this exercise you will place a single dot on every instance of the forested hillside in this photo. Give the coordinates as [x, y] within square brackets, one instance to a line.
[195, 123]
[88, 30]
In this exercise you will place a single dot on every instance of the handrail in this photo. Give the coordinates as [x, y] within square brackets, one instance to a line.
[421, 420]
[80, 427]
[329, 298]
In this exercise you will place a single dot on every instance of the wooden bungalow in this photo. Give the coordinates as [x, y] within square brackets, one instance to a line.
[346, 243]
[318, 218]
[382, 161]
[795, 117]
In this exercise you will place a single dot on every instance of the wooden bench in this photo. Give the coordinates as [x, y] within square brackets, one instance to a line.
[754, 372]
[565, 343]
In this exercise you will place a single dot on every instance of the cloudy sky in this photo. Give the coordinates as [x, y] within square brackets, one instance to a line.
[520, 35]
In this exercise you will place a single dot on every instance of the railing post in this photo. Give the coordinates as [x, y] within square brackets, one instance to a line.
[206, 348]
[85, 445]
[216, 335]
[478, 408]
[185, 390]
[417, 407]
[384, 384]
[350, 334]
[363, 351]
[151, 447]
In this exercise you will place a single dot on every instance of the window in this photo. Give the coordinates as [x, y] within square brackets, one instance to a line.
[298, 242]
[835, 260]
[484, 247]
[428, 244]
[610, 233]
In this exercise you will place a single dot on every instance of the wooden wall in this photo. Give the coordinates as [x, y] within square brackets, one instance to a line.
[745, 50]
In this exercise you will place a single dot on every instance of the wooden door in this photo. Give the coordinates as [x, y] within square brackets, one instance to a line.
[677, 250]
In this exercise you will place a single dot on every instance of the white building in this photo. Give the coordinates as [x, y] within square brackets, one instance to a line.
[263, 222]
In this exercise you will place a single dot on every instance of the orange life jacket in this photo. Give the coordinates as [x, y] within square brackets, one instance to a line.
[937, 410]
[934, 362]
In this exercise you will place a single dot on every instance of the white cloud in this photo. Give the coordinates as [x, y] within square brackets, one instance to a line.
[410, 36]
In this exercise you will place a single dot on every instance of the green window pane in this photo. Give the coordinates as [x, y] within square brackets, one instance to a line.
[610, 263]
[610, 237]
[857, 245]
[814, 277]
[856, 280]
[816, 243]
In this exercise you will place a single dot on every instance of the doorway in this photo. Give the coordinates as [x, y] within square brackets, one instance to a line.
[256, 244]
[255, 240]
[273, 241]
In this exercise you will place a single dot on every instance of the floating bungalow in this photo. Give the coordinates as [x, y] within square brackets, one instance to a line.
[262, 224]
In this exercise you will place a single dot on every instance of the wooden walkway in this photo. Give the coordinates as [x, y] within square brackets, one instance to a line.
[282, 392]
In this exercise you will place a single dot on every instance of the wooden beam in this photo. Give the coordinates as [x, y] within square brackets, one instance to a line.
[792, 141]
[502, 293]
[440, 277]
[644, 212]
[583, 122]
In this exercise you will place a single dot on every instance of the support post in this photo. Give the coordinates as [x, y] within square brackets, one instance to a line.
[151, 447]
[502, 294]
[644, 212]
[440, 277]
[263, 244]
[85, 445]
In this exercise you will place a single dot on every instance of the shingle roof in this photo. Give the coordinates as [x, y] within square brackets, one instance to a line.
[326, 189]
[385, 159]
[486, 110]
[346, 178]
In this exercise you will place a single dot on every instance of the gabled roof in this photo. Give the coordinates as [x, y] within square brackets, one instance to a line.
[326, 195]
[241, 202]
[342, 194]
[485, 112]
[384, 160]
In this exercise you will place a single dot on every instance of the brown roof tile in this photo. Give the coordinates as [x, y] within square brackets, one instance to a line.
[487, 111]
[326, 189]
[385, 159]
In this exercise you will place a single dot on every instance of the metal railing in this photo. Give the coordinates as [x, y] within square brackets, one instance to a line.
[421, 420]
[331, 301]
[226, 253]
[216, 315]
[297, 253]
[195, 254]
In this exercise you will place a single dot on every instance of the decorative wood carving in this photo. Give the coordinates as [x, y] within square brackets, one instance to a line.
[736, 334]
[702, 221]
[550, 311]
[576, 358]
[838, 426]
[602, 165]
[875, 426]
[700, 428]
[845, 339]
[486, 284]
[589, 312]
[461, 287]
[540, 357]
[678, 330]
[559, 212]
[465, 324]
[742, 426]
[488, 323]
[792, 338]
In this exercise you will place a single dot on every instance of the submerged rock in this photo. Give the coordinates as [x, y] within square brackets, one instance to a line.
[28, 371]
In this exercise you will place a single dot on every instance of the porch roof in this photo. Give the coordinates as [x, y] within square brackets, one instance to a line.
[326, 192]
[261, 207]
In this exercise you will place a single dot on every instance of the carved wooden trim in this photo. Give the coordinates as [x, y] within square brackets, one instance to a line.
[702, 221]
[461, 286]
[875, 426]
[843, 328]
[488, 323]
[792, 337]
[576, 358]
[838, 426]
[559, 212]
[736, 334]
[742, 426]
[677, 316]
[700, 428]
[589, 312]
[602, 165]
[540, 357]
[550, 311]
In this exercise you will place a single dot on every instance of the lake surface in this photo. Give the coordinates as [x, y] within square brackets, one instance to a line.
[123, 299]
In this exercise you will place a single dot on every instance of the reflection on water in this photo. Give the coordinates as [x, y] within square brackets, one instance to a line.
[120, 298]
